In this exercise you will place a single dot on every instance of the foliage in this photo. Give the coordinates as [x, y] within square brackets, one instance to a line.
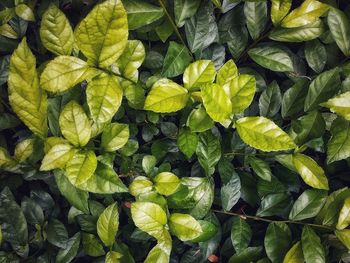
[174, 131]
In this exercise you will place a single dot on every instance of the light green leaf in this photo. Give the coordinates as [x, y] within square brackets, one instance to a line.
[148, 163]
[241, 92]
[107, 224]
[104, 97]
[340, 105]
[277, 232]
[279, 9]
[316, 55]
[310, 171]
[25, 12]
[187, 142]
[256, 17]
[241, 234]
[81, 167]
[75, 125]
[140, 185]
[184, 226]
[114, 137]
[26, 98]
[261, 168]
[344, 215]
[344, 237]
[208, 231]
[272, 57]
[24, 150]
[160, 253]
[263, 134]
[312, 248]
[216, 102]
[65, 72]
[56, 33]
[198, 74]
[103, 34]
[309, 11]
[226, 73]
[295, 254]
[184, 9]
[57, 157]
[322, 88]
[339, 26]
[113, 257]
[308, 205]
[176, 60]
[166, 183]
[92, 245]
[166, 96]
[338, 147]
[199, 120]
[149, 217]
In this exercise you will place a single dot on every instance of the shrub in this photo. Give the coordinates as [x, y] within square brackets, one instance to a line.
[182, 131]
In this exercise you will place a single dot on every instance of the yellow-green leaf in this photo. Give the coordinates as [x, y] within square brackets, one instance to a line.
[295, 254]
[216, 102]
[166, 96]
[310, 171]
[140, 185]
[102, 35]
[226, 73]
[57, 157]
[24, 12]
[113, 257]
[199, 73]
[74, 124]
[7, 31]
[6, 161]
[184, 226]
[309, 11]
[107, 224]
[26, 98]
[64, 72]
[340, 105]
[279, 9]
[344, 215]
[344, 237]
[81, 167]
[166, 183]
[263, 134]
[114, 137]
[56, 33]
[24, 150]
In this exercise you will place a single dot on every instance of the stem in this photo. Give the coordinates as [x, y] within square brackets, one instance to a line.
[174, 26]
[257, 218]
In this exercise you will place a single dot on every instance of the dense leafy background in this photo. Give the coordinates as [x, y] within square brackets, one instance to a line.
[174, 131]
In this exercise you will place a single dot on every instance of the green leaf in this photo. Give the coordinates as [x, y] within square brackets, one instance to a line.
[199, 120]
[241, 92]
[26, 98]
[114, 137]
[208, 151]
[256, 17]
[208, 231]
[198, 74]
[275, 204]
[272, 57]
[263, 134]
[316, 55]
[148, 163]
[113, 257]
[166, 96]
[141, 13]
[104, 97]
[166, 183]
[309, 11]
[261, 168]
[338, 147]
[104, 181]
[322, 88]
[184, 226]
[344, 237]
[103, 40]
[108, 224]
[250, 254]
[216, 102]
[230, 192]
[75, 196]
[92, 245]
[270, 100]
[56, 233]
[184, 9]
[340, 105]
[57, 157]
[66, 255]
[75, 125]
[295, 254]
[308, 205]
[279, 9]
[310, 171]
[241, 234]
[294, 99]
[226, 73]
[339, 26]
[149, 217]
[176, 60]
[344, 215]
[65, 72]
[312, 248]
[24, 12]
[81, 167]
[277, 232]
[56, 33]
[187, 142]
